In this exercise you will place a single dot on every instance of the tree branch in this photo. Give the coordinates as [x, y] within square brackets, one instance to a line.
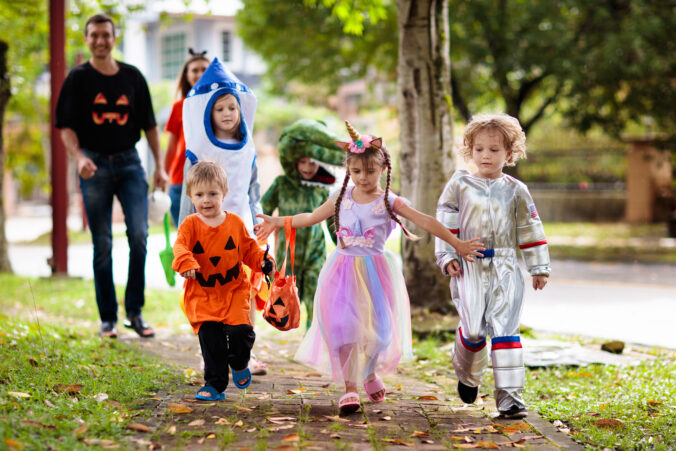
[458, 99]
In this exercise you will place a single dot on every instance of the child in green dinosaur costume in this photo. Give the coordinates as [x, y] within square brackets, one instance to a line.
[305, 147]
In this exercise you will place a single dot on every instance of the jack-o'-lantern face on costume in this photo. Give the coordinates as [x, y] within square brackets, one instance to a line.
[115, 112]
[222, 268]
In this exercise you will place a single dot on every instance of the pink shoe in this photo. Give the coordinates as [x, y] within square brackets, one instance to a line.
[257, 367]
[373, 387]
[345, 405]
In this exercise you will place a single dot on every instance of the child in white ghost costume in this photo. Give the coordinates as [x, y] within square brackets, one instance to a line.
[229, 144]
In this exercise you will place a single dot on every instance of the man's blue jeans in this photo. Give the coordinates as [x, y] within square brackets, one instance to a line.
[123, 176]
[175, 196]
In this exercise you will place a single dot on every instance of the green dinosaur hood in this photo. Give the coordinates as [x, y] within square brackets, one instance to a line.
[310, 138]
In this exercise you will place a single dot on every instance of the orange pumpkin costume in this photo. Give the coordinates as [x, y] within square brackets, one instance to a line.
[220, 292]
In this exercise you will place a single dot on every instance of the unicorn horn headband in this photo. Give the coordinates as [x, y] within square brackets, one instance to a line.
[359, 143]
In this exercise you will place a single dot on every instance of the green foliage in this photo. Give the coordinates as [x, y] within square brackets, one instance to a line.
[599, 63]
[308, 44]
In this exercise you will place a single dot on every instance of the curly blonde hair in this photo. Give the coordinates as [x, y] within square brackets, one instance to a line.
[513, 136]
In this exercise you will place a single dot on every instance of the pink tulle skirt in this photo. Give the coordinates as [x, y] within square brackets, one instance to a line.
[362, 321]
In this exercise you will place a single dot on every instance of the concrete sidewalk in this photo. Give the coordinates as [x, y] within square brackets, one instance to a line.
[296, 407]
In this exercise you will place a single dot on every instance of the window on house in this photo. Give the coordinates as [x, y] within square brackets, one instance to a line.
[226, 38]
[174, 54]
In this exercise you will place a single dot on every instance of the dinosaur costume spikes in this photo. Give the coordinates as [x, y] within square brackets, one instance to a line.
[353, 133]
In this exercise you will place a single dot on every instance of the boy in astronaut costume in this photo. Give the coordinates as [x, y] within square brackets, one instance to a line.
[488, 293]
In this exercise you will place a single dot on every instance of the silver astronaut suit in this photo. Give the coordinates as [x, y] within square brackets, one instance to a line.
[488, 294]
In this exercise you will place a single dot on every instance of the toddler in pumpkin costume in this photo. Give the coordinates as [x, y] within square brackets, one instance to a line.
[209, 251]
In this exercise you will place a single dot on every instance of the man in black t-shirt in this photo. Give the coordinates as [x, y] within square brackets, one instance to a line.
[103, 106]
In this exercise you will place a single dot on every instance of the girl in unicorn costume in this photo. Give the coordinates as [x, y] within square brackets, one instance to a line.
[361, 326]
[237, 155]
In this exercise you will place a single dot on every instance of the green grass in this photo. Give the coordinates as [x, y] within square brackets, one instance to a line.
[70, 299]
[47, 339]
[641, 397]
[36, 360]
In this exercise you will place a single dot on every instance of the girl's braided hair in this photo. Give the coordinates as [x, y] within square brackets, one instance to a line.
[372, 152]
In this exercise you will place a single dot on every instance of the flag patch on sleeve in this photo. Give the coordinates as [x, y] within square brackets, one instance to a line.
[533, 211]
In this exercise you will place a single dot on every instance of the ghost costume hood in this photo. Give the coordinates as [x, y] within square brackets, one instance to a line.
[237, 158]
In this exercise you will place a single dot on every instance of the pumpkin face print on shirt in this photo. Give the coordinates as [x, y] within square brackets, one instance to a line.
[222, 268]
[111, 112]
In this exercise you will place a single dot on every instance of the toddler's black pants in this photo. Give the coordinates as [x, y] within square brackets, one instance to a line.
[224, 346]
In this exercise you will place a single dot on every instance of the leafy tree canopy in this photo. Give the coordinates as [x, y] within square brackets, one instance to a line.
[599, 62]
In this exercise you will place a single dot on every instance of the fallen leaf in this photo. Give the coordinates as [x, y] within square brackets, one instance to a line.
[429, 397]
[291, 438]
[326, 385]
[199, 422]
[313, 375]
[142, 441]
[516, 427]
[48, 403]
[36, 424]
[201, 441]
[296, 391]
[18, 395]
[336, 418]
[398, 387]
[179, 408]
[212, 435]
[386, 418]
[138, 427]
[69, 389]
[33, 362]
[251, 430]
[654, 403]
[239, 424]
[466, 445]
[335, 436]
[609, 423]
[101, 397]
[171, 430]
[358, 426]
[265, 396]
[281, 428]
[419, 434]
[280, 420]
[398, 441]
[378, 411]
[245, 409]
[286, 448]
[81, 429]
[13, 444]
[222, 421]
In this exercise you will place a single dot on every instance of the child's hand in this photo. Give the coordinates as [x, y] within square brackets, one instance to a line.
[539, 282]
[453, 268]
[189, 274]
[470, 247]
[265, 228]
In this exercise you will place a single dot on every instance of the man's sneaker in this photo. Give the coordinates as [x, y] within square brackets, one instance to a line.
[467, 394]
[514, 412]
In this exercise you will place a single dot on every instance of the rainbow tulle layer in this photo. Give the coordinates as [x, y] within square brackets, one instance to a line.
[362, 320]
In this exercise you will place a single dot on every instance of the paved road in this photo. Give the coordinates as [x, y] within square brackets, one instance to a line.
[631, 302]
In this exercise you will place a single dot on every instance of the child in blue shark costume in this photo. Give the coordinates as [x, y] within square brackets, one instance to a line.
[236, 156]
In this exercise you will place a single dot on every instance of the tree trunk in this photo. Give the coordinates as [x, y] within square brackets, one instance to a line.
[426, 136]
[5, 265]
